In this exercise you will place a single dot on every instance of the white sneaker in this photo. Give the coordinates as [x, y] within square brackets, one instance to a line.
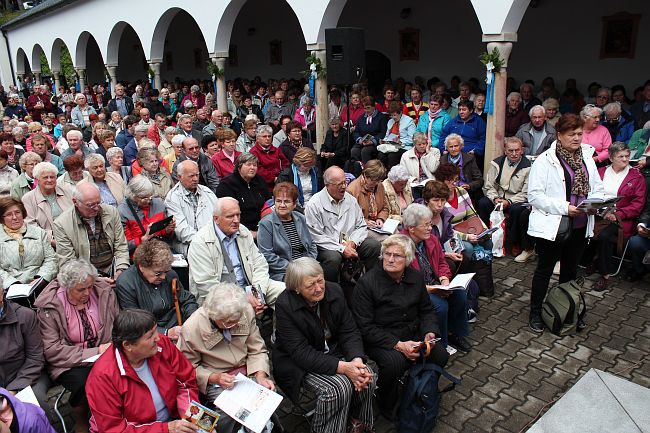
[524, 256]
[451, 350]
[556, 269]
[471, 315]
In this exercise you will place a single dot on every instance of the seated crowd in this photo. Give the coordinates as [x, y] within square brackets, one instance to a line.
[158, 231]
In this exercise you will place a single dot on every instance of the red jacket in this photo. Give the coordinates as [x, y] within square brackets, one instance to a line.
[223, 164]
[355, 113]
[153, 134]
[271, 163]
[631, 205]
[436, 257]
[121, 402]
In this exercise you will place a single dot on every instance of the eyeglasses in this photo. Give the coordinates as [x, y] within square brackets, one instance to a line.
[613, 120]
[343, 184]
[160, 273]
[284, 202]
[425, 225]
[90, 205]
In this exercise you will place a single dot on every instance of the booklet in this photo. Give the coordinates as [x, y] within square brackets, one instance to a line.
[389, 227]
[205, 419]
[92, 358]
[24, 290]
[454, 244]
[157, 226]
[487, 232]
[460, 282]
[249, 403]
[26, 395]
[598, 203]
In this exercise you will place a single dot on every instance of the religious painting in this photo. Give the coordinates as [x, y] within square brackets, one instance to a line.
[619, 36]
[233, 56]
[409, 44]
[275, 47]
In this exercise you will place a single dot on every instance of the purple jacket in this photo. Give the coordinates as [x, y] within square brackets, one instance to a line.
[31, 418]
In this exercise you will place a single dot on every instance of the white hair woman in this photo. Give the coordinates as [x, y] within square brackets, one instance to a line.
[398, 190]
[25, 182]
[221, 339]
[422, 160]
[315, 336]
[595, 134]
[111, 186]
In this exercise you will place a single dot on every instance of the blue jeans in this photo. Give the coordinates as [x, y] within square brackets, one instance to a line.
[469, 248]
[451, 314]
[637, 247]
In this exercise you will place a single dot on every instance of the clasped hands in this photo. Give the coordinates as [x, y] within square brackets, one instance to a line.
[357, 372]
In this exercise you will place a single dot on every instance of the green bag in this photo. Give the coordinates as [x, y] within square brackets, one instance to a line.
[564, 308]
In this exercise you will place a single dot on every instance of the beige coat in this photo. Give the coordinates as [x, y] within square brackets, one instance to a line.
[209, 353]
[115, 184]
[363, 197]
[394, 210]
[39, 211]
[72, 238]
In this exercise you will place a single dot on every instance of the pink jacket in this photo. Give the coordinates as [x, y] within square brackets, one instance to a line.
[631, 205]
[300, 117]
[600, 139]
[436, 257]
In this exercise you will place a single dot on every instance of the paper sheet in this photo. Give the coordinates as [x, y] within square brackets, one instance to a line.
[27, 396]
[460, 281]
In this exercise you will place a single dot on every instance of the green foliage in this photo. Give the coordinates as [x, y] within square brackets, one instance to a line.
[67, 68]
[213, 69]
[6, 16]
[321, 72]
[493, 57]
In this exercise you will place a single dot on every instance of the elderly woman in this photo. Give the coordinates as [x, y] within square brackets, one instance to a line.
[515, 115]
[48, 200]
[422, 160]
[7, 174]
[76, 313]
[115, 161]
[111, 185]
[435, 195]
[392, 309]
[369, 192]
[319, 348]
[148, 159]
[614, 228]
[105, 140]
[400, 129]
[148, 284]
[335, 149]
[144, 383]
[165, 146]
[248, 188]
[74, 171]
[450, 305]
[80, 115]
[370, 128]
[552, 107]
[470, 177]
[97, 129]
[25, 182]
[283, 235]
[295, 140]
[398, 191]
[432, 122]
[595, 134]
[8, 144]
[619, 124]
[304, 174]
[560, 179]
[25, 250]
[139, 210]
[221, 340]
[224, 159]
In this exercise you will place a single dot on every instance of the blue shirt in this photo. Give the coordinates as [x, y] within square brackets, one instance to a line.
[230, 243]
[144, 373]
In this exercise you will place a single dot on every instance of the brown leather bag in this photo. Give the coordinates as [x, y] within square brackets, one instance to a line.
[471, 226]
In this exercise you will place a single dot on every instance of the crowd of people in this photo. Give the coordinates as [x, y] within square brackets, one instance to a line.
[156, 231]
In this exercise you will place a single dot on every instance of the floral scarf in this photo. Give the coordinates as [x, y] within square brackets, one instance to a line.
[18, 236]
[580, 187]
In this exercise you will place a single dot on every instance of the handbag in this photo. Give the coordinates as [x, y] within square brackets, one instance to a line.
[470, 226]
[564, 230]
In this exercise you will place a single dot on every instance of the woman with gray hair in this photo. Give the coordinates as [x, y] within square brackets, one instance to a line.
[76, 313]
[25, 182]
[422, 160]
[148, 159]
[335, 149]
[139, 210]
[111, 185]
[115, 158]
[595, 134]
[398, 190]
[515, 115]
[319, 348]
[619, 123]
[552, 107]
[222, 340]
[165, 147]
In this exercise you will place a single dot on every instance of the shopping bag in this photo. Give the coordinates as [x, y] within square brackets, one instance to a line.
[498, 220]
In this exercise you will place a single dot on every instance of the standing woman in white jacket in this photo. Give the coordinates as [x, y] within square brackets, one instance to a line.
[560, 179]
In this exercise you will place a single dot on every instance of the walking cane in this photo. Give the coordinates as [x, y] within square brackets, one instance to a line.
[175, 297]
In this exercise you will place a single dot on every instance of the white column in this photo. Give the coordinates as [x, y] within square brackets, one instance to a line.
[322, 112]
[81, 72]
[222, 95]
[157, 82]
[57, 80]
[37, 77]
[112, 73]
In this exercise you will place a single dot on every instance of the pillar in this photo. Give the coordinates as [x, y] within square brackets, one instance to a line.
[322, 111]
[81, 73]
[112, 73]
[37, 78]
[57, 80]
[222, 95]
[157, 82]
[496, 122]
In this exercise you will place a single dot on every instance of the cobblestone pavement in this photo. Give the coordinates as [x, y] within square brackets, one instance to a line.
[513, 374]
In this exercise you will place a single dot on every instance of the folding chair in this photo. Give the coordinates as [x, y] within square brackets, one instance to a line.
[58, 412]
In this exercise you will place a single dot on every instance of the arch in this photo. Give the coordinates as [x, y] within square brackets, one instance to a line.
[56, 54]
[160, 34]
[225, 26]
[36, 58]
[126, 52]
[22, 62]
[81, 49]
[330, 18]
[114, 42]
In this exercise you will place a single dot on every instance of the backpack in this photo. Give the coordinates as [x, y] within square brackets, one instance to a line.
[418, 408]
[564, 308]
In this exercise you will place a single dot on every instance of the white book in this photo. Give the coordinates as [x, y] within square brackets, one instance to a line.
[20, 291]
[26, 395]
[389, 227]
[460, 282]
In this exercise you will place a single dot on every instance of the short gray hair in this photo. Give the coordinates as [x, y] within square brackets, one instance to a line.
[94, 157]
[180, 167]
[76, 191]
[44, 167]
[327, 175]
[178, 139]
[616, 147]
[402, 241]
[264, 128]
[226, 301]
[146, 143]
[74, 132]
[398, 173]
[170, 130]
[139, 186]
[514, 95]
[551, 103]
[75, 271]
[590, 110]
[300, 269]
[414, 213]
[454, 136]
[17, 130]
[419, 137]
[194, 88]
[113, 151]
[216, 210]
[142, 129]
[28, 156]
[613, 107]
[536, 108]
[183, 117]
[244, 158]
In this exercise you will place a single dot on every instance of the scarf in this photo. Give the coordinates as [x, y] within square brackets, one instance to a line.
[296, 181]
[18, 236]
[580, 187]
[432, 117]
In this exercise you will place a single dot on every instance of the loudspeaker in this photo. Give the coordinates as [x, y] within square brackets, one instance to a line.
[346, 55]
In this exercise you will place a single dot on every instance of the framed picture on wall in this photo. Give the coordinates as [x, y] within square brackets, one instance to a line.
[619, 36]
[233, 56]
[409, 44]
[275, 48]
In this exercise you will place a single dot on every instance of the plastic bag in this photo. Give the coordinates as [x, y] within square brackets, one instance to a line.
[498, 219]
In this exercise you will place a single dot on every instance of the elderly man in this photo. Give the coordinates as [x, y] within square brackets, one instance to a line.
[536, 135]
[40, 146]
[506, 184]
[278, 109]
[225, 251]
[336, 224]
[207, 173]
[156, 132]
[76, 145]
[131, 150]
[464, 94]
[39, 103]
[13, 109]
[190, 203]
[619, 123]
[185, 127]
[121, 103]
[216, 121]
[93, 231]
[603, 97]
[145, 117]
[528, 98]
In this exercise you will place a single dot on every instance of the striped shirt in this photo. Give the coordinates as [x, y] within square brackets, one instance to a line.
[297, 248]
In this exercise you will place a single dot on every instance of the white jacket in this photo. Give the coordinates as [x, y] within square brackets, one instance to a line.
[188, 222]
[429, 162]
[206, 264]
[547, 193]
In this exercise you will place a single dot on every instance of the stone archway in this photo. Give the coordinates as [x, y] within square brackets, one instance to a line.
[125, 51]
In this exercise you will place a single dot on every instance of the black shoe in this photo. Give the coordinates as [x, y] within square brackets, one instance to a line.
[536, 324]
[460, 343]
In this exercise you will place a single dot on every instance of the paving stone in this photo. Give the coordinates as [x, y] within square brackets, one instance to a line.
[494, 386]
[507, 374]
[459, 417]
[572, 365]
[582, 353]
[510, 347]
[521, 361]
[487, 420]
[535, 349]
[546, 363]
[476, 401]
[534, 375]
[546, 391]
[516, 421]
[607, 353]
[533, 405]
[504, 404]
[501, 335]
[482, 371]
[558, 351]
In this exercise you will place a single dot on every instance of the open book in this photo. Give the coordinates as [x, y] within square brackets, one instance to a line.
[598, 203]
[460, 282]
[24, 290]
[389, 227]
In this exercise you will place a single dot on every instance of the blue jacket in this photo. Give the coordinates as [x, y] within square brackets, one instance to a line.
[621, 131]
[17, 111]
[406, 131]
[78, 118]
[377, 127]
[273, 242]
[31, 418]
[123, 138]
[439, 123]
[472, 131]
[130, 152]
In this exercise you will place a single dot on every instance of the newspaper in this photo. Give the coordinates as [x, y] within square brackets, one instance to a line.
[26, 395]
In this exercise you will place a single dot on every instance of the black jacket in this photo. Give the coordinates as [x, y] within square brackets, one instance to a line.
[112, 105]
[155, 107]
[133, 291]
[471, 171]
[337, 145]
[251, 196]
[387, 312]
[207, 173]
[300, 340]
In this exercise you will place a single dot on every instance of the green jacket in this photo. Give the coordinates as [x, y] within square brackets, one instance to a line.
[38, 259]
